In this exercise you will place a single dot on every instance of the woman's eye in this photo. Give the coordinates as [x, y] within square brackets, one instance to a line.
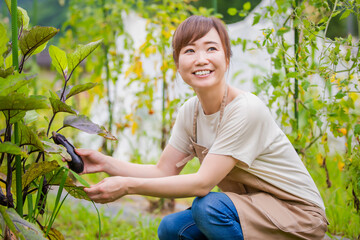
[189, 51]
[212, 49]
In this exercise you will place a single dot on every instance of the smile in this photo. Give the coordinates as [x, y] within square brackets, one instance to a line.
[202, 73]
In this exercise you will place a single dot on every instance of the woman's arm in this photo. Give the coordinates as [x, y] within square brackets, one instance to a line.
[95, 161]
[213, 169]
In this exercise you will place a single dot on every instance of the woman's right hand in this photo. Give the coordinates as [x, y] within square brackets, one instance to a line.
[94, 161]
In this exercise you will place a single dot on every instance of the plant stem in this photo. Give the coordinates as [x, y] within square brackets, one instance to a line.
[214, 4]
[296, 84]
[50, 123]
[14, 28]
[14, 37]
[108, 78]
[164, 86]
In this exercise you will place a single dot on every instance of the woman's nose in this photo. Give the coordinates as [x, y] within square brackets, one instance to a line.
[201, 58]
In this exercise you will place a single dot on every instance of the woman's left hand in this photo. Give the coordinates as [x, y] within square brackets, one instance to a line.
[107, 190]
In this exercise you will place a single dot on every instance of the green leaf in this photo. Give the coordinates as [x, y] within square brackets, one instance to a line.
[81, 52]
[3, 41]
[55, 235]
[14, 116]
[8, 147]
[345, 14]
[38, 169]
[357, 129]
[6, 72]
[70, 186]
[40, 49]
[52, 148]
[83, 123]
[292, 74]
[28, 137]
[305, 84]
[58, 59]
[282, 31]
[340, 95]
[12, 83]
[232, 11]
[23, 18]
[247, 6]
[257, 18]
[8, 4]
[31, 39]
[59, 106]
[18, 101]
[27, 229]
[80, 179]
[31, 116]
[80, 88]
[5, 219]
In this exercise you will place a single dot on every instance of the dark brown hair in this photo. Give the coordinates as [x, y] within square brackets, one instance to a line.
[194, 28]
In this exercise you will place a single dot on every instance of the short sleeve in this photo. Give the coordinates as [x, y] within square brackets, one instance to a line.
[181, 130]
[246, 130]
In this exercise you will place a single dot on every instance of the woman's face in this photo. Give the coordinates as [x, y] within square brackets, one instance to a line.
[202, 63]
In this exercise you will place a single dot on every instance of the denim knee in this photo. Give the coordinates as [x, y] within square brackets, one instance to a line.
[205, 207]
[213, 208]
[167, 228]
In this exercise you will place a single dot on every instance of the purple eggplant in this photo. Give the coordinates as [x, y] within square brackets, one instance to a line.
[76, 164]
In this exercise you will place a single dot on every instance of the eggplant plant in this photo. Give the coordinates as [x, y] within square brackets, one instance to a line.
[28, 165]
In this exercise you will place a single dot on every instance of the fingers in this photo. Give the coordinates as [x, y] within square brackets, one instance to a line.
[95, 194]
[83, 152]
[105, 191]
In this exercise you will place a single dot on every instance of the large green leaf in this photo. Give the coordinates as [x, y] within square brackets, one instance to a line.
[13, 82]
[77, 192]
[13, 116]
[80, 88]
[81, 52]
[80, 179]
[28, 137]
[29, 230]
[23, 18]
[83, 123]
[70, 186]
[59, 106]
[58, 59]
[8, 147]
[55, 235]
[38, 169]
[52, 148]
[6, 72]
[6, 220]
[18, 101]
[31, 39]
[3, 41]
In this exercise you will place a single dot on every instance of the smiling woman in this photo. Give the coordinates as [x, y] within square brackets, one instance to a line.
[266, 190]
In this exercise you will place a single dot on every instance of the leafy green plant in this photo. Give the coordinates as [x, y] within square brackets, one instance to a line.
[313, 85]
[28, 165]
[106, 19]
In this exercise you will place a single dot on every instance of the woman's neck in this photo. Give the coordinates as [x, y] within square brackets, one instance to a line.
[211, 99]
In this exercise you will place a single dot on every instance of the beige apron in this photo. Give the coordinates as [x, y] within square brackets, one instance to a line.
[265, 211]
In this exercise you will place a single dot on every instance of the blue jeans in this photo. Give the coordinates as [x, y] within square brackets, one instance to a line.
[211, 217]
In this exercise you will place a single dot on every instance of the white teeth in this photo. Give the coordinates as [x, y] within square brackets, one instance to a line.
[202, 72]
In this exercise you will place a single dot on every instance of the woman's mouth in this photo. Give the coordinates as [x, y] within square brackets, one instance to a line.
[202, 73]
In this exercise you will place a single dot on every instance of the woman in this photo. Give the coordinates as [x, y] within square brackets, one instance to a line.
[267, 193]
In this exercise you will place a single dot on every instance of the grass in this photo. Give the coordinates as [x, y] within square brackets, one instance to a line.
[342, 216]
[80, 221]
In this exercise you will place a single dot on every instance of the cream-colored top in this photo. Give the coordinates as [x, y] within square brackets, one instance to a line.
[249, 134]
